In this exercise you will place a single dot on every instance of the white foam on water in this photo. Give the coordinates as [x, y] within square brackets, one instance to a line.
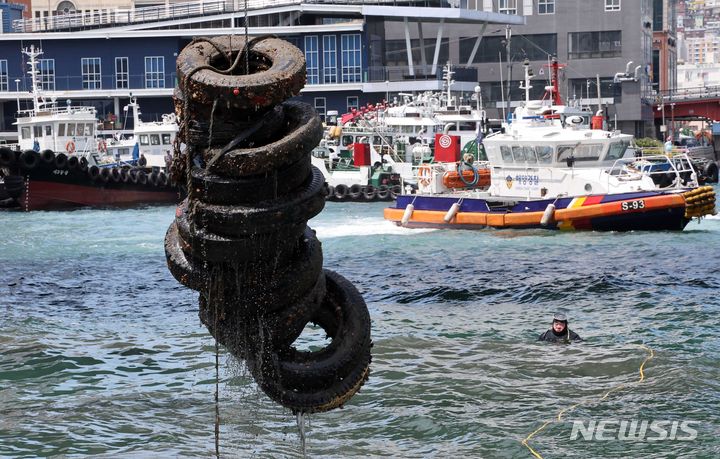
[362, 227]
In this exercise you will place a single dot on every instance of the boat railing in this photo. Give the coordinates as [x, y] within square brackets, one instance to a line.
[78, 109]
[666, 170]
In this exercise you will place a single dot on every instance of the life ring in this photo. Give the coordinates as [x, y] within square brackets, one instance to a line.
[70, 146]
[425, 175]
[102, 146]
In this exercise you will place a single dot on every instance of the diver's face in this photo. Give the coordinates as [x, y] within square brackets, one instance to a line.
[558, 326]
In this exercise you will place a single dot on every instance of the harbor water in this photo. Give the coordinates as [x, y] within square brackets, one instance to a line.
[102, 353]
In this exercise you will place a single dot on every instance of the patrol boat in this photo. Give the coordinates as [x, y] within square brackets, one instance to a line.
[554, 166]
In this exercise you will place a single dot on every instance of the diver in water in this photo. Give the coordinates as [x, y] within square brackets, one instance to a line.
[559, 332]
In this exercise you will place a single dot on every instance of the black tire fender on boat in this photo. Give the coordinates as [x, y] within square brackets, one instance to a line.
[124, 175]
[369, 193]
[277, 72]
[14, 185]
[29, 159]
[383, 193]
[133, 174]
[341, 192]
[83, 163]
[162, 179]
[7, 157]
[355, 191]
[93, 172]
[395, 191]
[325, 379]
[48, 156]
[711, 173]
[61, 161]
[304, 132]
[105, 174]
[115, 175]
[153, 178]
[142, 178]
[73, 163]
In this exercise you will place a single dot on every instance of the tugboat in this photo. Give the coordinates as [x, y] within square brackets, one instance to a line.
[554, 167]
[59, 161]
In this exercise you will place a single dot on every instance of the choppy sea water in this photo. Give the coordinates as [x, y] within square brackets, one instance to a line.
[102, 353]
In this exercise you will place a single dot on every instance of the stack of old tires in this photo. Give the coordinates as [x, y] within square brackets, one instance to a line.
[241, 237]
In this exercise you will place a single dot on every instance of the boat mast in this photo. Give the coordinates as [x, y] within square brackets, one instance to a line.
[32, 54]
[447, 76]
[528, 75]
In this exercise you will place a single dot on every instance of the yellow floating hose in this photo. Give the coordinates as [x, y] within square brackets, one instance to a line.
[560, 414]
[700, 202]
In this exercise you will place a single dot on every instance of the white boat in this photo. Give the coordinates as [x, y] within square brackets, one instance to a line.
[554, 167]
[151, 142]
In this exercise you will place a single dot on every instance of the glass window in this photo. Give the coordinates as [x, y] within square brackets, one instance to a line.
[3, 75]
[46, 69]
[518, 154]
[48, 130]
[507, 6]
[166, 139]
[616, 151]
[329, 59]
[535, 47]
[25, 132]
[61, 129]
[154, 72]
[37, 131]
[88, 129]
[311, 59]
[565, 152]
[612, 5]
[588, 45]
[122, 73]
[346, 140]
[154, 139]
[351, 58]
[544, 154]
[91, 74]
[506, 153]
[71, 129]
[530, 154]
[546, 6]
[352, 102]
[320, 107]
[144, 140]
[588, 152]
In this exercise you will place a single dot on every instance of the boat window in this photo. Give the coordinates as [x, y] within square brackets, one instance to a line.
[616, 150]
[506, 154]
[518, 154]
[48, 130]
[25, 132]
[61, 130]
[71, 129]
[37, 131]
[530, 154]
[166, 139]
[347, 140]
[144, 140]
[588, 152]
[544, 154]
[154, 139]
[88, 129]
[564, 152]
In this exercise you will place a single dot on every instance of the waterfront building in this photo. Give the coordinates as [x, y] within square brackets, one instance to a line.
[99, 56]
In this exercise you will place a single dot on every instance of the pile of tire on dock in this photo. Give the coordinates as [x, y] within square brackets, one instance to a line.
[241, 237]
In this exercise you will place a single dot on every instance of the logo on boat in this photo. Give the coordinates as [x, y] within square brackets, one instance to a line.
[445, 141]
[509, 181]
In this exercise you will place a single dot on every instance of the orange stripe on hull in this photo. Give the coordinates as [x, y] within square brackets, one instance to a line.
[577, 216]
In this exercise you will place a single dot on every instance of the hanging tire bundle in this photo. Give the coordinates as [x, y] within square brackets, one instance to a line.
[241, 237]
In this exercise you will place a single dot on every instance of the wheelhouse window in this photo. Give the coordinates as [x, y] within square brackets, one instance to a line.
[329, 59]
[166, 139]
[37, 131]
[3, 75]
[351, 58]
[154, 72]
[91, 74]
[48, 130]
[71, 129]
[154, 139]
[589, 45]
[580, 152]
[612, 5]
[61, 130]
[46, 69]
[546, 6]
[616, 150]
[507, 6]
[144, 140]
[506, 153]
[544, 154]
[122, 73]
[25, 132]
[311, 59]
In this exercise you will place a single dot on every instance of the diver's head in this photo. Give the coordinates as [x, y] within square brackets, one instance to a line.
[560, 322]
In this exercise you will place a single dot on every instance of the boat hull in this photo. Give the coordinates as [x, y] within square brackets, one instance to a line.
[47, 187]
[647, 211]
